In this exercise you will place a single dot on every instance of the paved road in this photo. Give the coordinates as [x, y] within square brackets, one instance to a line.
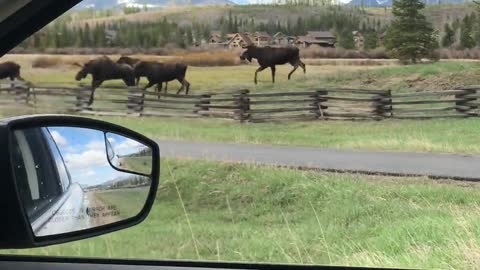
[461, 167]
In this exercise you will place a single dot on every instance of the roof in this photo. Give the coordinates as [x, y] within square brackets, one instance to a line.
[279, 34]
[320, 34]
[311, 40]
[262, 34]
[215, 39]
[215, 33]
[243, 36]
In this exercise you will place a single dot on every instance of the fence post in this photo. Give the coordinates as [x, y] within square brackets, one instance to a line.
[136, 100]
[383, 105]
[21, 93]
[243, 102]
[321, 96]
[203, 106]
[463, 102]
[82, 98]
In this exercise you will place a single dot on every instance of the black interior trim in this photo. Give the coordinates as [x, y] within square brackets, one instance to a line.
[29, 19]
[169, 263]
[27, 238]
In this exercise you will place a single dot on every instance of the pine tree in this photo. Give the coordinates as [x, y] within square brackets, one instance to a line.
[410, 36]
[346, 40]
[371, 40]
[466, 37]
[449, 37]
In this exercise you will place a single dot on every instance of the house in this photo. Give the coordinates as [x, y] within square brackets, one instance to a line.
[215, 39]
[110, 36]
[280, 39]
[382, 38]
[261, 38]
[320, 38]
[239, 40]
[358, 39]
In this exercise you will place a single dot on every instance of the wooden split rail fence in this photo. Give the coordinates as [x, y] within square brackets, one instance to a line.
[244, 106]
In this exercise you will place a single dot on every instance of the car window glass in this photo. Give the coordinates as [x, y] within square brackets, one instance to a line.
[59, 162]
[31, 143]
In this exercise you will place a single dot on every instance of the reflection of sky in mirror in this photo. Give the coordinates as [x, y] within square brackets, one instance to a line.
[85, 157]
[123, 146]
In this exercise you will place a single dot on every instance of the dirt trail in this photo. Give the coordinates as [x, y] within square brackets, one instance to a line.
[100, 213]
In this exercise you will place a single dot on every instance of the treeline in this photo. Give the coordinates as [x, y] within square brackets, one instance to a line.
[118, 34]
[63, 34]
[462, 33]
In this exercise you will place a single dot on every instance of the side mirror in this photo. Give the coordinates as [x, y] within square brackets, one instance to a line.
[69, 178]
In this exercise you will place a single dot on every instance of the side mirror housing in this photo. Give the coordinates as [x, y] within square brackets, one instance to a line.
[67, 178]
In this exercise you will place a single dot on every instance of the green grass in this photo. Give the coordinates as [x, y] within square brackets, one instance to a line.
[210, 211]
[129, 202]
[452, 136]
[424, 77]
[141, 165]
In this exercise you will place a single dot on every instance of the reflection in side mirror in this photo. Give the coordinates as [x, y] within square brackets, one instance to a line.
[128, 155]
[71, 179]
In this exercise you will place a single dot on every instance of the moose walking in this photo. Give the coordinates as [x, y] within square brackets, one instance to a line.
[270, 57]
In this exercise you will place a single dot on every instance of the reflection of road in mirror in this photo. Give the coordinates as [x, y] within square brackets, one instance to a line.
[94, 193]
[129, 155]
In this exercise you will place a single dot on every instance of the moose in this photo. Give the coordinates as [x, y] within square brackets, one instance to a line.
[128, 60]
[10, 70]
[159, 73]
[103, 69]
[270, 57]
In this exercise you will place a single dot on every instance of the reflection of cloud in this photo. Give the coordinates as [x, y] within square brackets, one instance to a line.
[59, 139]
[95, 145]
[90, 173]
[128, 146]
[86, 159]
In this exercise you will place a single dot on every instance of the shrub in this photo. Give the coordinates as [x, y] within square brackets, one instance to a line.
[215, 58]
[45, 62]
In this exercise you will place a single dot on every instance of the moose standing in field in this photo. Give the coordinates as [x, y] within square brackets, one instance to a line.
[159, 73]
[128, 60]
[10, 70]
[270, 57]
[104, 69]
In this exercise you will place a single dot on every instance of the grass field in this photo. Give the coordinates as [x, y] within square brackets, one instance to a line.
[129, 202]
[442, 75]
[422, 136]
[452, 136]
[211, 211]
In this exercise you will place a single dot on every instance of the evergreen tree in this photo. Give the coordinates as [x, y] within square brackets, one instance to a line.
[449, 37]
[466, 35]
[371, 40]
[346, 40]
[410, 36]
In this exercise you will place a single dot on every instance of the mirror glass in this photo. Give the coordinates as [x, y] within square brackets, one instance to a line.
[72, 179]
[128, 155]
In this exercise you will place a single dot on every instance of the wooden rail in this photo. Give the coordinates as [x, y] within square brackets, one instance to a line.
[244, 106]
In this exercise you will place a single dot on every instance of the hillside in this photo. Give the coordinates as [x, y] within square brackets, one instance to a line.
[388, 3]
[437, 14]
[211, 14]
[111, 4]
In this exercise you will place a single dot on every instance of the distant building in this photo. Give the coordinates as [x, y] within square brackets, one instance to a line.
[382, 38]
[230, 36]
[359, 39]
[110, 36]
[280, 39]
[261, 39]
[320, 38]
[215, 39]
[239, 40]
